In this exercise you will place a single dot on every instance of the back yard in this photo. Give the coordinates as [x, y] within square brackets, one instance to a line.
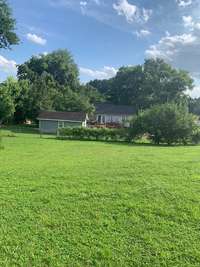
[71, 203]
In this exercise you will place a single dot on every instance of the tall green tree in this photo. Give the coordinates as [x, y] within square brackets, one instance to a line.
[127, 87]
[59, 64]
[9, 90]
[154, 82]
[72, 101]
[103, 86]
[40, 95]
[22, 102]
[194, 105]
[8, 36]
[163, 83]
[51, 82]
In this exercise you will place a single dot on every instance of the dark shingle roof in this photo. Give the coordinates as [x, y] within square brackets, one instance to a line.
[68, 116]
[107, 108]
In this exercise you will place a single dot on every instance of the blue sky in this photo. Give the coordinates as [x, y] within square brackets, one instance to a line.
[103, 35]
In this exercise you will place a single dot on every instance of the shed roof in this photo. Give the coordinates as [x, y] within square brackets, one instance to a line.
[65, 116]
[107, 108]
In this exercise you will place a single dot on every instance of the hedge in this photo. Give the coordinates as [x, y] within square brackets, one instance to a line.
[97, 134]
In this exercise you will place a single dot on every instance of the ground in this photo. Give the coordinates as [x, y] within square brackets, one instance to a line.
[71, 203]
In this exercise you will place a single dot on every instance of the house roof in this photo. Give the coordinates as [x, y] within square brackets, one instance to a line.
[107, 108]
[65, 116]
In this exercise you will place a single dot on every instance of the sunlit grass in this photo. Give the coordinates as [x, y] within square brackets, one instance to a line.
[71, 203]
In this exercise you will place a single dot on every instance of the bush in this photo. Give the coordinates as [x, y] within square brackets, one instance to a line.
[97, 134]
[166, 123]
[195, 139]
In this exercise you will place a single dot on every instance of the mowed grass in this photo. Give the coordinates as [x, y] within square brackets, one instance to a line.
[71, 203]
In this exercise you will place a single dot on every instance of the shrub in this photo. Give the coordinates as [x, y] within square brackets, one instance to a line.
[195, 139]
[98, 134]
[167, 123]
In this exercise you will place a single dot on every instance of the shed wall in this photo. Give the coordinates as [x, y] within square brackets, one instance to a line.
[48, 126]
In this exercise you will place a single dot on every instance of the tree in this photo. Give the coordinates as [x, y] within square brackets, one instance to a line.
[154, 82]
[72, 101]
[91, 93]
[163, 83]
[51, 82]
[127, 87]
[194, 106]
[166, 123]
[22, 102]
[40, 95]
[59, 64]
[7, 106]
[103, 86]
[7, 26]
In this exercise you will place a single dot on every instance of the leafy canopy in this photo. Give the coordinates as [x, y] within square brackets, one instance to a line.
[9, 91]
[8, 36]
[154, 82]
[59, 64]
[53, 84]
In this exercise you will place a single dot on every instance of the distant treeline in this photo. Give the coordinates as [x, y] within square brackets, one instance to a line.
[51, 82]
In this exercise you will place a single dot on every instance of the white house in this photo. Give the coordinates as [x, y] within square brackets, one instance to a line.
[109, 113]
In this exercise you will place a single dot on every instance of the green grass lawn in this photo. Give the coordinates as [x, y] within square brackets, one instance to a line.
[71, 203]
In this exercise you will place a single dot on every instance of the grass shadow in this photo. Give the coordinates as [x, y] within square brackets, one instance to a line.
[127, 144]
[143, 144]
[24, 129]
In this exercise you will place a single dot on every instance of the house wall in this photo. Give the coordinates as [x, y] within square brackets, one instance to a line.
[105, 118]
[51, 126]
[72, 124]
[47, 126]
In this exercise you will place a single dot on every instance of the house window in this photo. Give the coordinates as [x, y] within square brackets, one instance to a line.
[99, 118]
[61, 124]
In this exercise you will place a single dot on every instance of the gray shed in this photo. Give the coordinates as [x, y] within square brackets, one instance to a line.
[51, 121]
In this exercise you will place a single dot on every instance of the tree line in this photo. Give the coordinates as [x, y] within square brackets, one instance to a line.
[51, 82]
[154, 82]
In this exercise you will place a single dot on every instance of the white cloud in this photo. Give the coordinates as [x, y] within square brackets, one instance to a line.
[8, 66]
[182, 51]
[83, 5]
[132, 12]
[73, 3]
[142, 33]
[195, 93]
[125, 9]
[169, 45]
[189, 22]
[36, 39]
[184, 3]
[97, 2]
[146, 14]
[105, 73]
